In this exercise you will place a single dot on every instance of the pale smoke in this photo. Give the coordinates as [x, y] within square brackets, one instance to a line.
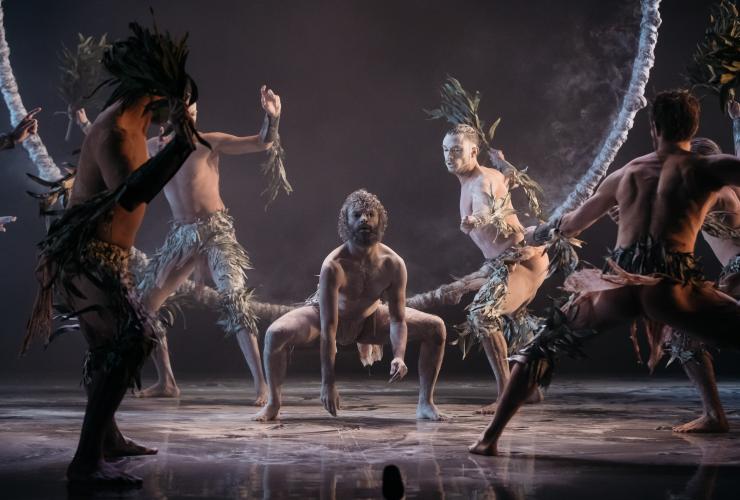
[586, 90]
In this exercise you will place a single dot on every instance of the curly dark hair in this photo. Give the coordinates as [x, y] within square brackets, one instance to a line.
[364, 200]
[675, 114]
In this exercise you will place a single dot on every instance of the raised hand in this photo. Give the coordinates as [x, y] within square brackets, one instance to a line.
[27, 127]
[5, 220]
[398, 370]
[270, 101]
[81, 118]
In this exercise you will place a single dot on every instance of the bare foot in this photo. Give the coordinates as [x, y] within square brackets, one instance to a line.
[267, 413]
[483, 447]
[486, 410]
[100, 472]
[126, 448]
[159, 390]
[704, 424]
[261, 399]
[535, 397]
[428, 411]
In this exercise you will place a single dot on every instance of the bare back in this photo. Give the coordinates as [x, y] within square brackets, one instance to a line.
[665, 197]
[475, 193]
[114, 147]
[194, 191]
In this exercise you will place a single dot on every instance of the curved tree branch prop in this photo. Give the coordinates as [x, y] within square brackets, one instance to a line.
[634, 101]
[34, 146]
[564, 255]
[82, 73]
[716, 63]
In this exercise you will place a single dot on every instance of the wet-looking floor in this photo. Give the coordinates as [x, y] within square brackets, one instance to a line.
[597, 439]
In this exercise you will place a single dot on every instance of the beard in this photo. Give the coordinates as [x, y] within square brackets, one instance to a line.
[365, 236]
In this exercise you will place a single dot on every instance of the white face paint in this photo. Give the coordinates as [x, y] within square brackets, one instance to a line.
[460, 154]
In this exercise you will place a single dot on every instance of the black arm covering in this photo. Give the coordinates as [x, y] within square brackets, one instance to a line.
[6, 141]
[269, 131]
[144, 184]
[543, 232]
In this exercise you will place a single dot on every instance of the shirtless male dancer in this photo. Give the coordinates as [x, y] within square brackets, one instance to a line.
[663, 198]
[347, 309]
[513, 272]
[723, 237]
[202, 240]
[84, 257]
[724, 240]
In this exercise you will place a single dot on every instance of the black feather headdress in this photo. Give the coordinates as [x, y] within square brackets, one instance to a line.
[150, 62]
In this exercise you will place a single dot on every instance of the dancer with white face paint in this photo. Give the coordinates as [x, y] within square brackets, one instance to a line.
[512, 273]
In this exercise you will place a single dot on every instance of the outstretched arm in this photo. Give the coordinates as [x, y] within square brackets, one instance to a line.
[725, 169]
[605, 197]
[397, 313]
[235, 145]
[329, 280]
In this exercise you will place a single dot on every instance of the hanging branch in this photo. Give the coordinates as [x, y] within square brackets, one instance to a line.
[634, 101]
[459, 107]
[33, 145]
[716, 63]
[82, 73]
[274, 169]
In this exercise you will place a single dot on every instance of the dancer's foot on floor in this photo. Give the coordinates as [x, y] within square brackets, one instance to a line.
[100, 472]
[261, 399]
[429, 411]
[704, 424]
[267, 413]
[483, 447]
[125, 447]
[486, 410]
[159, 390]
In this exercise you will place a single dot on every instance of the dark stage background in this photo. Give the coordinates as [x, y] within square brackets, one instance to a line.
[354, 77]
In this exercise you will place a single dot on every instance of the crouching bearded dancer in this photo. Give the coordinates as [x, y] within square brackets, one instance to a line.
[84, 257]
[513, 272]
[663, 198]
[347, 310]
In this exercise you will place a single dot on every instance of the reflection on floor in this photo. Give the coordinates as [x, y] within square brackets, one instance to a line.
[595, 439]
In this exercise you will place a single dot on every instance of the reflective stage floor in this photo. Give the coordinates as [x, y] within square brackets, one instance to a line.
[597, 439]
